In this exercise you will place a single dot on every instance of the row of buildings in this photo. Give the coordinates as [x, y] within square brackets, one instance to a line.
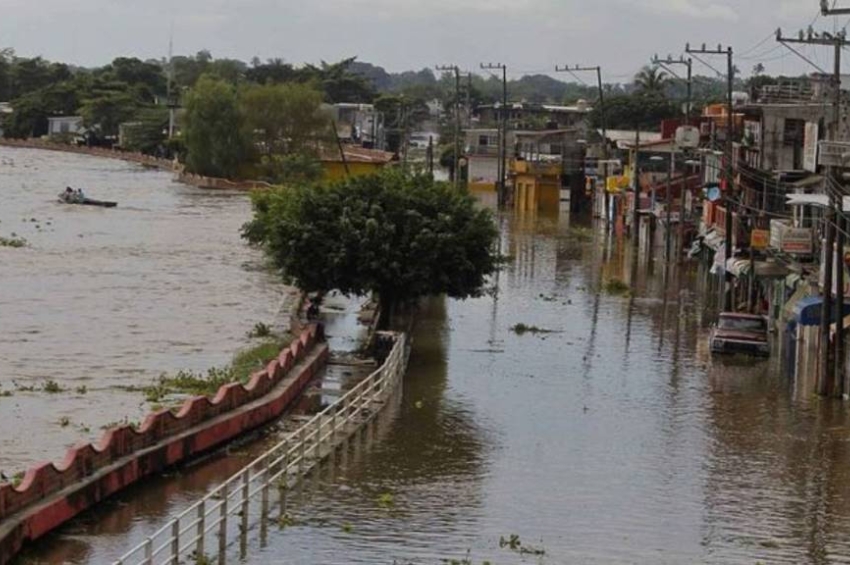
[782, 150]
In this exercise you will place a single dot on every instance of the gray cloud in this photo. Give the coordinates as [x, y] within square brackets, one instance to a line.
[528, 35]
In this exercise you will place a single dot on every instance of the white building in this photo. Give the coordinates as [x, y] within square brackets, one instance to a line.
[59, 125]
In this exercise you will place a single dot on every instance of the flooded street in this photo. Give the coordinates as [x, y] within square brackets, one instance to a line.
[101, 300]
[602, 434]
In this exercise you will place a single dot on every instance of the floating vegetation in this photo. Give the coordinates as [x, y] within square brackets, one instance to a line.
[244, 364]
[188, 382]
[286, 521]
[522, 329]
[615, 286]
[580, 234]
[13, 241]
[513, 543]
[82, 389]
[260, 330]
[52, 387]
[64, 421]
[386, 500]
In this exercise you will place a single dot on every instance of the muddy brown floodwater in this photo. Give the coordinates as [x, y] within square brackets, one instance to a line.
[614, 439]
[110, 298]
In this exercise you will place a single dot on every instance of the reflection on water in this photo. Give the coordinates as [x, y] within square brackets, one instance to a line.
[110, 298]
[615, 438]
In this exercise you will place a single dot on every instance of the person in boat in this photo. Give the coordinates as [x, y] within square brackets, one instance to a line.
[68, 195]
[79, 196]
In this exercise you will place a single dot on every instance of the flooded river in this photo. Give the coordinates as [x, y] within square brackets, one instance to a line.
[609, 436]
[104, 299]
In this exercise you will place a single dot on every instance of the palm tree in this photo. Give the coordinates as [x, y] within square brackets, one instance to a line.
[650, 80]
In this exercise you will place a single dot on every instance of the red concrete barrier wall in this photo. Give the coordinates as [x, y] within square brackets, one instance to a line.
[44, 480]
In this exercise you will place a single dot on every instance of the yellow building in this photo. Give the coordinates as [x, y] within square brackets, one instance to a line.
[537, 186]
[358, 161]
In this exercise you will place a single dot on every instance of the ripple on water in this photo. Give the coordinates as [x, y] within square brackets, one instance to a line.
[115, 296]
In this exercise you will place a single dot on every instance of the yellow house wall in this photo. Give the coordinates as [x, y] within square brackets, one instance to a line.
[335, 170]
[534, 193]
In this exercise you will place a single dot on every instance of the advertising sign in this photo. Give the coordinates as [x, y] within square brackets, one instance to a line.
[759, 239]
[810, 147]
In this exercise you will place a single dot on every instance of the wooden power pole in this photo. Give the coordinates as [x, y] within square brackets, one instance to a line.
[456, 70]
[834, 254]
[604, 116]
[503, 137]
[729, 156]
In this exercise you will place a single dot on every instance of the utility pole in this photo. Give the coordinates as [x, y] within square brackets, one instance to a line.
[834, 255]
[172, 104]
[730, 133]
[468, 100]
[503, 141]
[636, 182]
[456, 70]
[688, 63]
[669, 61]
[604, 115]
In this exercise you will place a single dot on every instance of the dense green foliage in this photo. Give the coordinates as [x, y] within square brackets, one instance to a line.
[217, 142]
[629, 111]
[276, 129]
[399, 236]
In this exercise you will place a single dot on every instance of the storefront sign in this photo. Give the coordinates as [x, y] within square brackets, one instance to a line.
[810, 147]
[759, 239]
[832, 152]
[787, 239]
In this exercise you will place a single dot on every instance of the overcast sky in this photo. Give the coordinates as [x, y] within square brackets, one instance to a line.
[530, 36]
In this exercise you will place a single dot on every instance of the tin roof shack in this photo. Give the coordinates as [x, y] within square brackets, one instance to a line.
[523, 116]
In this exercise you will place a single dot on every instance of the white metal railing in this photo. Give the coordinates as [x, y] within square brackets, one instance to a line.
[223, 514]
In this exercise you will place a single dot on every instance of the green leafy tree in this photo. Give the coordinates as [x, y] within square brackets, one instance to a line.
[340, 83]
[635, 110]
[136, 73]
[214, 133]
[651, 80]
[285, 118]
[104, 112]
[288, 126]
[148, 131]
[31, 111]
[398, 236]
[273, 71]
[7, 58]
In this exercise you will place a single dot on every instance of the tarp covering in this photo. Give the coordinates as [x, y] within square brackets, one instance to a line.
[807, 310]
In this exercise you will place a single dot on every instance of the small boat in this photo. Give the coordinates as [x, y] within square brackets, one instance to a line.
[68, 198]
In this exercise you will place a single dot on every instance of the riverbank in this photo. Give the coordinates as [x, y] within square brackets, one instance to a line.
[129, 156]
[99, 303]
[181, 175]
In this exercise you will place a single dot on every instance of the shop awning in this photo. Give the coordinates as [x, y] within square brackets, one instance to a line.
[740, 266]
[812, 180]
[807, 310]
[713, 240]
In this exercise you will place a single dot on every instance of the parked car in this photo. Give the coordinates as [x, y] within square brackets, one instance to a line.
[740, 333]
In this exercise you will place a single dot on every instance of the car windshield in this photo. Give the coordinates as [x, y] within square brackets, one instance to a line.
[742, 324]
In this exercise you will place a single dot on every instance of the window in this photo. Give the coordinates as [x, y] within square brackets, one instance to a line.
[483, 140]
[794, 131]
[742, 324]
[64, 127]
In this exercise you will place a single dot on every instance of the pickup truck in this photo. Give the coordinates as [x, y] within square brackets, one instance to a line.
[740, 333]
